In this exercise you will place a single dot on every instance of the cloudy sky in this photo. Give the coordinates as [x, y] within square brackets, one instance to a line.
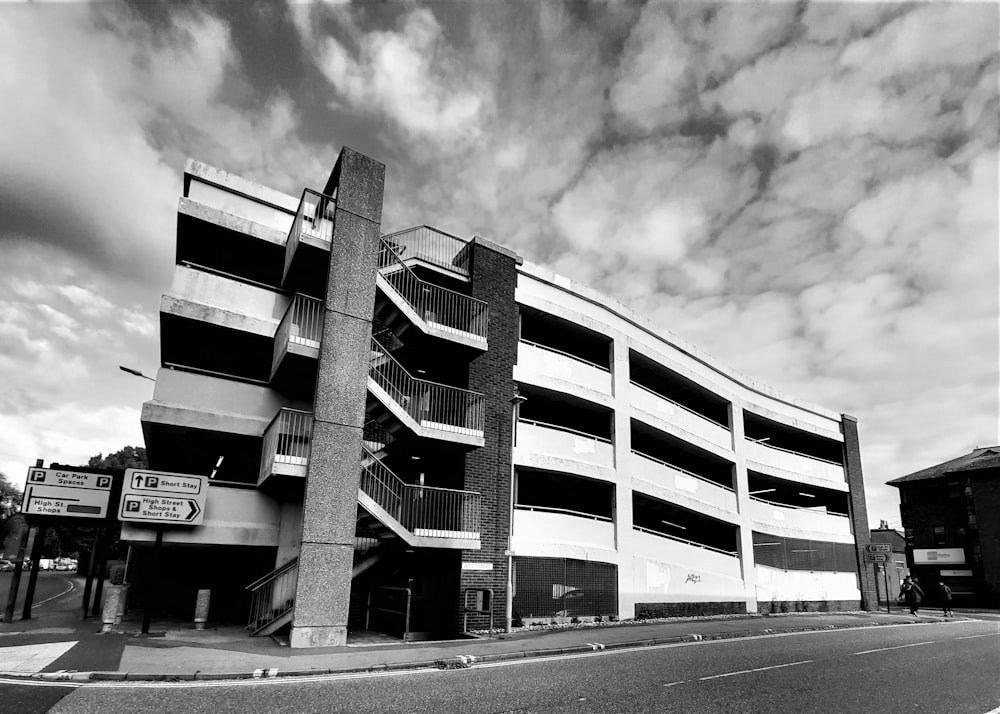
[806, 192]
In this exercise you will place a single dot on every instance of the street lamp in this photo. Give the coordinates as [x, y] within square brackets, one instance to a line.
[135, 372]
[516, 401]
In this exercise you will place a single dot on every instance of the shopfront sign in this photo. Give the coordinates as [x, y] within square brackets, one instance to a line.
[939, 556]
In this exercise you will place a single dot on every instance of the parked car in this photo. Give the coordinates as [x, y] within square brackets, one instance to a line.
[6, 565]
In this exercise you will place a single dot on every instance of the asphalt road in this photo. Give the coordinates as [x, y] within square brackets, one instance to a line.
[944, 667]
[47, 590]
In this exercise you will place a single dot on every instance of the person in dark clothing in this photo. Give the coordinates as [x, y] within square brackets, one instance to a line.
[912, 595]
[945, 599]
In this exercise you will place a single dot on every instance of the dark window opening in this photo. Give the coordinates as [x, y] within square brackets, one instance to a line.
[554, 333]
[797, 495]
[782, 436]
[940, 537]
[556, 492]
[659, 379]
[554, 409]
[679, 454]
[666, 519]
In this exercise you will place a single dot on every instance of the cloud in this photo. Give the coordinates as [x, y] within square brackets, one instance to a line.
[409, 76]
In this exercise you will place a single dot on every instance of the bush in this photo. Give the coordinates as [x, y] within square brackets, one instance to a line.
[783, 606]
[612, 618]
[516, 621]
[574, 621]
[598, 618]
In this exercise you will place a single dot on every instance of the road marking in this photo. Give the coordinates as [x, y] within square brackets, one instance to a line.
[994, 711]
[674, 684]
[595, 646]
[38, 683]
[758, 669]
[67, 590]
[263, 681]
[897, 647]
[972, 637]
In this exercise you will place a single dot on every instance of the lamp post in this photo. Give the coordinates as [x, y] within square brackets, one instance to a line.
[516, 401]
[135, 372]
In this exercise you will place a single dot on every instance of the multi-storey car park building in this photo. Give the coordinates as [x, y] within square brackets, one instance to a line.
[392, 420]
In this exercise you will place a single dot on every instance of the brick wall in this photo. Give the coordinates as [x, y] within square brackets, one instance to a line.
[858, 511]
[488, 469]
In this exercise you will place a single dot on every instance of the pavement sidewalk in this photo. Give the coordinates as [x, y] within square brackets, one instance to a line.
[61, 646]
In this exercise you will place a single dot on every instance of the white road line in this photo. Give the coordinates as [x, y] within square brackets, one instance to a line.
[897, 647]
[67, 590]
[758, 669]
[38, 683]
[994, 711]
[972, 637]
[674, 684]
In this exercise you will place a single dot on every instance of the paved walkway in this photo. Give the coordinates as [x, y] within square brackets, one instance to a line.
[62, 646]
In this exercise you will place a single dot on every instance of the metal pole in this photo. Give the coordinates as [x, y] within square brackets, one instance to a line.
[15, 577]
[102, 560]
[90, 574]
[888, 595]
[36, 555]
[147, 580]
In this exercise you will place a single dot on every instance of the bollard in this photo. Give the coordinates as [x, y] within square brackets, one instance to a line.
[114, 606]
[201, 609]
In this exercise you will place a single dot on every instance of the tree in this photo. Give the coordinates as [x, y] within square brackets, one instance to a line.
[10, 497]
[128, 457]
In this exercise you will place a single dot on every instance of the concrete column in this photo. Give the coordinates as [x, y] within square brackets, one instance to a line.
[742, 485]
[858, 510]
[329, 508]
[622, 428]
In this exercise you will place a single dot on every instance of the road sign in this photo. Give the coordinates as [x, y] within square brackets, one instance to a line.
[878, 548]
[878, 557]
[157, 497]
[60, 492]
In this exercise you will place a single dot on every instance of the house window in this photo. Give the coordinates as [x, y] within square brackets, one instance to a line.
[954, 490]
[940, 539]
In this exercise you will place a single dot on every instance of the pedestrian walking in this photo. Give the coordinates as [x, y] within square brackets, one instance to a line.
[945, 599]
[912, 595]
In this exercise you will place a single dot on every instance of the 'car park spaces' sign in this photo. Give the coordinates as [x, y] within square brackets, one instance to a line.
[59, 492]
[160, 498]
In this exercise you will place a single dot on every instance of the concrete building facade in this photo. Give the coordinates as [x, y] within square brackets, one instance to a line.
[410, 431]
[950, 525]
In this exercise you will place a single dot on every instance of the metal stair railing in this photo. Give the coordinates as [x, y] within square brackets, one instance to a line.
[302, 324]
[272, 596]
[426, 511]
[433, 246]
[434, 304]
[286, 440]
[427, 403]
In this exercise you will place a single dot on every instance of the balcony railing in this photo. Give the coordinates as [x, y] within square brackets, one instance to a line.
[564, 442]
[800, 518]
[696, 544]
[432, 246]
[684, 483]
[670, 411]
[302, 324]
[425, 511]
[764, 454]
[286, 443]
[313, 219]
[439, 307]
[429, 404]
[551, 362]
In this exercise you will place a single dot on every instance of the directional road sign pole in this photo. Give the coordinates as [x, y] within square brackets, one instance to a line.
[36, 558]
[147, 582]
[888, 595]
[88, 586]
[15, 578]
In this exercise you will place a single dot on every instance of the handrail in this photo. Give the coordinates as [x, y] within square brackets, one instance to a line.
[273, 574]
[550, 509]
[732, 553]
[683, 471]
[762, 442]
[428, 508]
[567, 429]
[826, 511]
[433, 303]
[680, 406]
[272, 596]
[446, 407]
[434, 246]
[566, 354]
